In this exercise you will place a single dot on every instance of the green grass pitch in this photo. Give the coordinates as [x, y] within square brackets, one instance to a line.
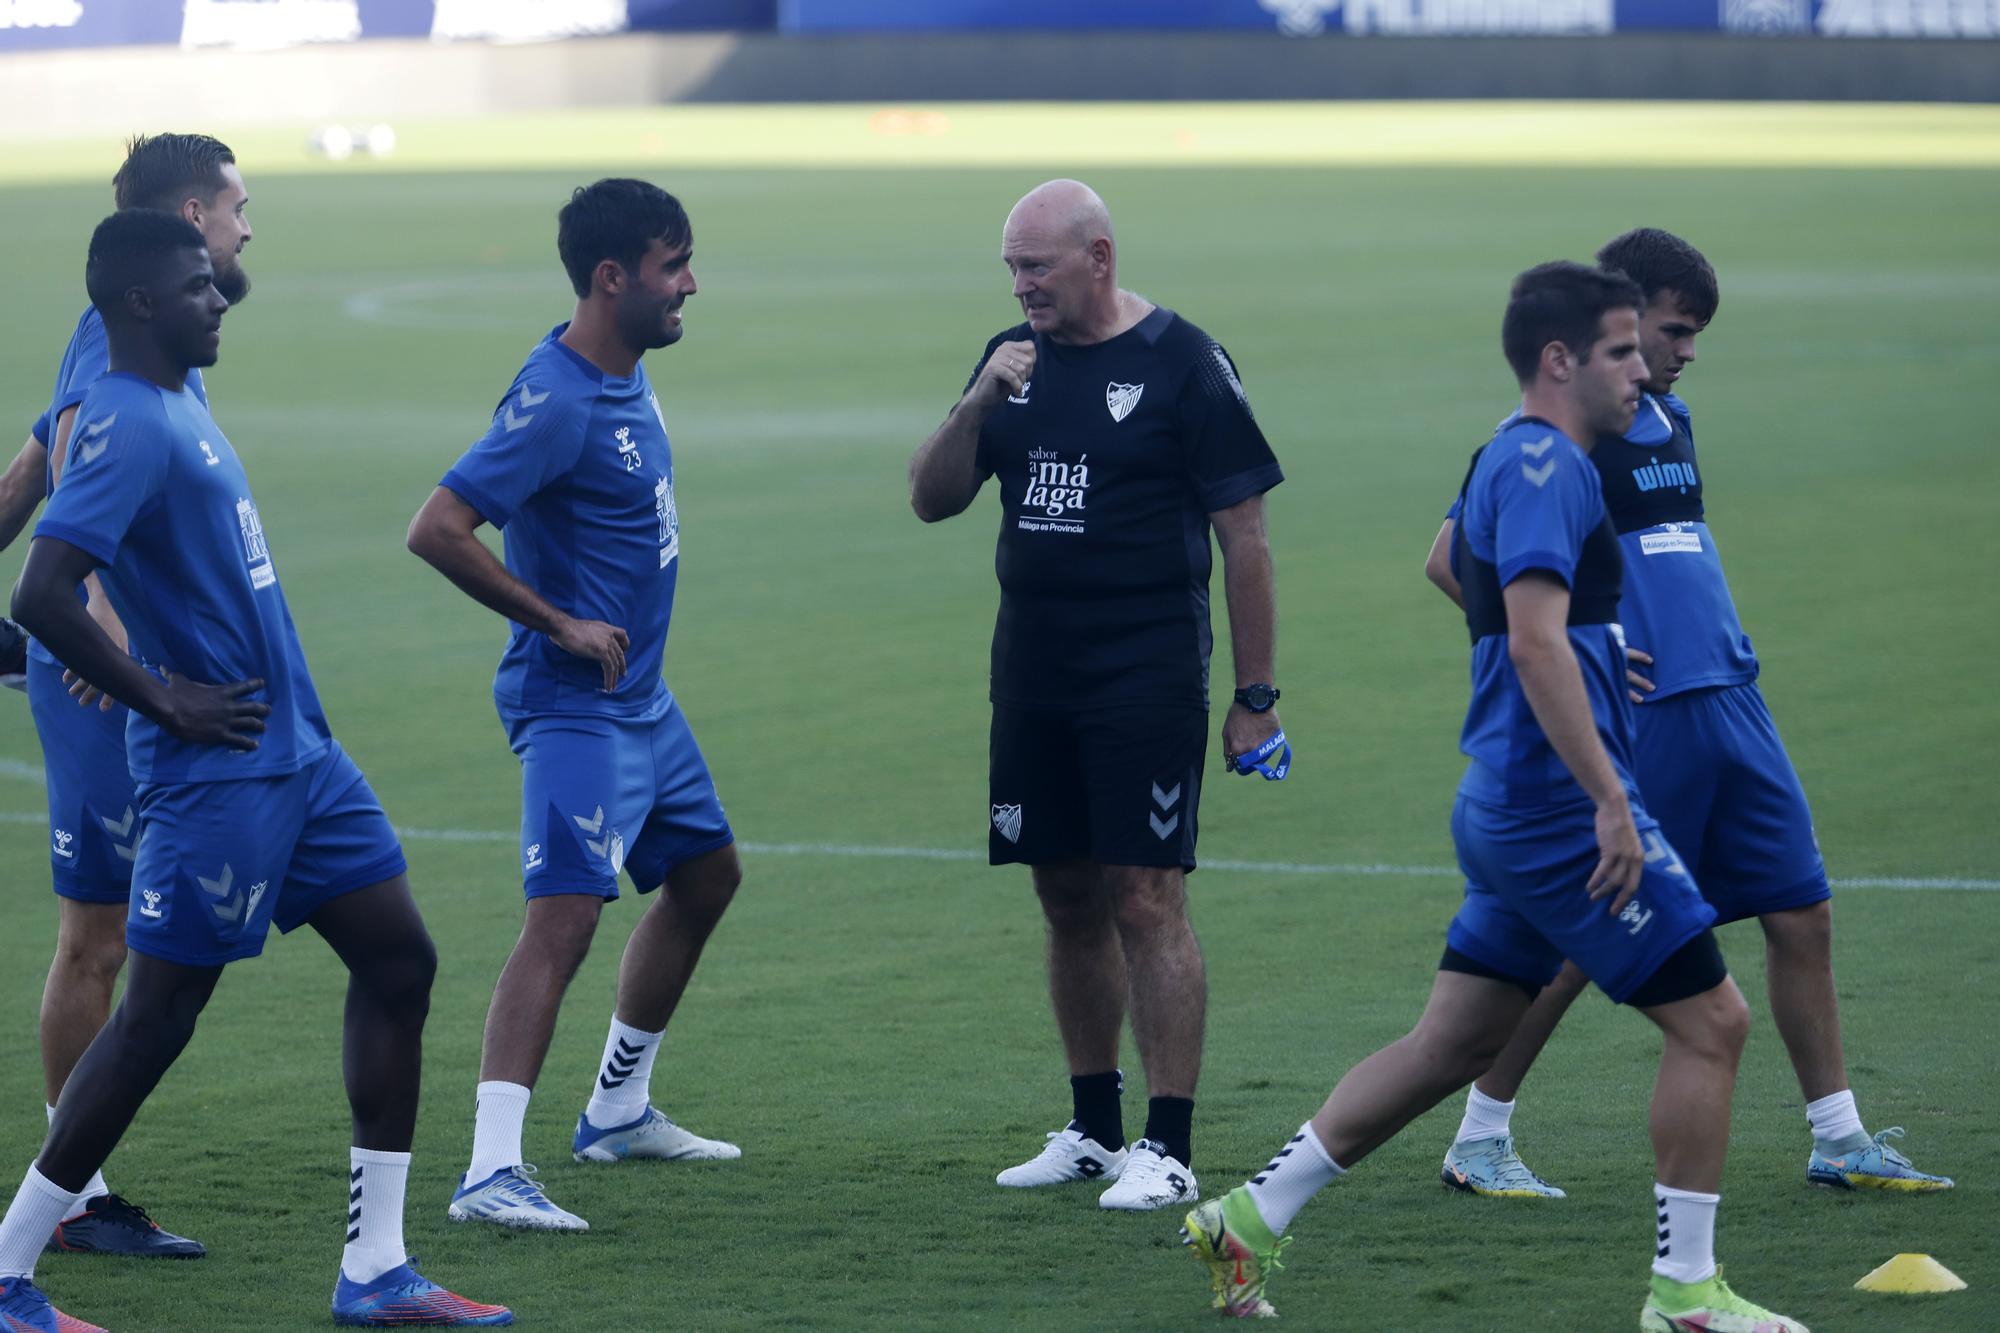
[873, 1028]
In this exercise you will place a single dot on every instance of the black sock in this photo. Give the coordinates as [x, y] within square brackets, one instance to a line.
[1094, 1099]
[1170, 1121]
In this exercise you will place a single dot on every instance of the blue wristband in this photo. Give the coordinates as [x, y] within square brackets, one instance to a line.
[1253, 762]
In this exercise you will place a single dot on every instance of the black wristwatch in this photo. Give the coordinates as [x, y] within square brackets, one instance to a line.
[1257, 698]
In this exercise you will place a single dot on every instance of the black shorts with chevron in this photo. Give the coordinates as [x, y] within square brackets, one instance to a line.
[1119, 786]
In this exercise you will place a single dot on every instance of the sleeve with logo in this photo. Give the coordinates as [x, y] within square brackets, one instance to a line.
[536, 437]
[1227, 457]
[1546, 500]
[118, 454]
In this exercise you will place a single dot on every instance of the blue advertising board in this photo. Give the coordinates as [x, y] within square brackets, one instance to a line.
[28, 25]
[33, 25]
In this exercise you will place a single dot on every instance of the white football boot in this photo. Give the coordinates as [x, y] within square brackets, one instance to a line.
[651, 1136]
[511, 1197]
[1151, 1179]
[1068, 1156]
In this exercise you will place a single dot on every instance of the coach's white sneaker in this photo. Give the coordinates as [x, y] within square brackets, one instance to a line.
[510, 1197]
[1151, 1179]
[1068, 1156]
[653, 1136]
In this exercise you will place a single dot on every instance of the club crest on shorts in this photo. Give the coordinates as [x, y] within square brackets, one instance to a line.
[1007, 822]
[1122, 398]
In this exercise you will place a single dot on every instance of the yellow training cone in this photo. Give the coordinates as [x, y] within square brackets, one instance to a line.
[1910, 1273]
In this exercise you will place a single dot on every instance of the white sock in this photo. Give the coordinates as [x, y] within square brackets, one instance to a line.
[1299, 1171]
[1484, 1117]
[496, 1129]
[624, 1076]
[1834, 1119]
[31, 1220]
[375, 1183]
[1687, 1234]
[96, 1185]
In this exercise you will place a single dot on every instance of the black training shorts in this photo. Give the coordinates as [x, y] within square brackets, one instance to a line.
[1118, 786]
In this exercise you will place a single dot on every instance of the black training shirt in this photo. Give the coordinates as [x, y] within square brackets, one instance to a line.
[1110, 462]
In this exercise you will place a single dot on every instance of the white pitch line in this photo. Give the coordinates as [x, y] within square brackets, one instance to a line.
[1327, 870]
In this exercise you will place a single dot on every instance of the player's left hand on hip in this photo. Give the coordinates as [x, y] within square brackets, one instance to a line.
[1633, 680]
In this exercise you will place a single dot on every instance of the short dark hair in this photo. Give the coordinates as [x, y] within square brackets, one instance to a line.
[616, 219]
[127, 249]
[1660, 261]
[165, 170]
[1560, 302]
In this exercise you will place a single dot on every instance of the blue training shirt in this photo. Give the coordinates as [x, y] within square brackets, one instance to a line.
[1676, 605]
[84, 361]
[577, 472]
[155, 494]
[1533, 503]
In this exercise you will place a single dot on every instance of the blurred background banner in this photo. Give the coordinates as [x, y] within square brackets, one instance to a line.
[268, 24]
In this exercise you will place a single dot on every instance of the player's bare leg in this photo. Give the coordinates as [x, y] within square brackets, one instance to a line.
[76, 1001]
[555, 938]
[1169, 998]
[1482, 1158]
[1087, 982]
[1690, 1116]
[1798, 952]
[120, 1069]
[661, 955]
[380, 937]
[1465, 1023]
[498, 1185]
[620, 1120]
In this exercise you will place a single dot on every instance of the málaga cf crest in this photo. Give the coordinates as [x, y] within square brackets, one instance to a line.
[1122, 398]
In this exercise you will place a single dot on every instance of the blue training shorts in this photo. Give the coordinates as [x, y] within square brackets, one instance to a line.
[93, 820]
[1714, 773]
[604, 794]
[222, 862]
[1525, 908]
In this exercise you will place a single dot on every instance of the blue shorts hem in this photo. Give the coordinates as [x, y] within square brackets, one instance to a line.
[692, 853]
[1816, 889]
[387, 868]
[1654, 964]
[608, 892]
[106, 897]
[1506, 967]
[152, 950]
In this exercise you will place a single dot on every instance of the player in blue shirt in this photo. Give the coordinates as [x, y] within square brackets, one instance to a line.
[577, 471]
[1710, 764]
[1561, 858]
[253, 814]
[93, 809]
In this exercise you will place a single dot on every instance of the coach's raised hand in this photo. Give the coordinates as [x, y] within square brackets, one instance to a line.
[1005, 374]
[601, 643]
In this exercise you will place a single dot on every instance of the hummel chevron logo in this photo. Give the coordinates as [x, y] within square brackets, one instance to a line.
[528, 400]
[1537, 450]
[1165, 799]
[227, 907]
[118, 831]
[94, 439]
[597, 845]
[624, 1059]
[1539, 475]
[1163, 831]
